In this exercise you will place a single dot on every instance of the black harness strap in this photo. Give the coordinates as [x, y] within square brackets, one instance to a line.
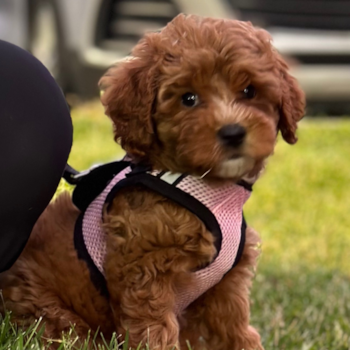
[94, 182]
[70, 175]
[241, 243]
[96, 276]
[245, 185]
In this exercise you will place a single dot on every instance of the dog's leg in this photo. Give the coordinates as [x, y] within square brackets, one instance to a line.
[221, 316]
[146, 311]
[148, 256]
[143, 297]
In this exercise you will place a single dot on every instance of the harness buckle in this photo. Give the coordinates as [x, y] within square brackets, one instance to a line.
[73, 176]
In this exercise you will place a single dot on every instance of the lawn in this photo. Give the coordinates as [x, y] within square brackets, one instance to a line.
[301, 294]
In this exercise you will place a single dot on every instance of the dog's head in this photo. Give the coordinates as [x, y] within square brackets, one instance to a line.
[203, 94]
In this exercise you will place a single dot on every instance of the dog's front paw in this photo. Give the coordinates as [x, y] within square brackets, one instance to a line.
[253, 340]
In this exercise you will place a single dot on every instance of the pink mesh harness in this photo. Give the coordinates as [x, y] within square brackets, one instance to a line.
[224, 202]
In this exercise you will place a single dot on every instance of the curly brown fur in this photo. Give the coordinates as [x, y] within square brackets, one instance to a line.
[153, 244]
[49, 281]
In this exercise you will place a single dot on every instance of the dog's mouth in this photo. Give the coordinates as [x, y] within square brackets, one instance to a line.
[236, 166]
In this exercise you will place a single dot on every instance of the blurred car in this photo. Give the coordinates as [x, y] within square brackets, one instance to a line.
[79, 39]
[316, 35]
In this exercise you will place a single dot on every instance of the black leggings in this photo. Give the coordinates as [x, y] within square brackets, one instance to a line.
[35, 141]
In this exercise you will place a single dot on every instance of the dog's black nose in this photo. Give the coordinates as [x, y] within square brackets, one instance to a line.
[232, 135]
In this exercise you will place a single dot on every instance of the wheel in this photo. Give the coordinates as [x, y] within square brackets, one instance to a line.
[46, 38]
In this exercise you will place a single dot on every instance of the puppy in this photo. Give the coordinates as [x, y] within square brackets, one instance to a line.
[197, 108]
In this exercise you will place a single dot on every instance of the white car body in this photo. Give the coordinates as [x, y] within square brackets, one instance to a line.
[80, 18]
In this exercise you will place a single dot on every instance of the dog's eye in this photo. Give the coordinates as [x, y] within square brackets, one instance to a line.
[189, 99]
[249, 92]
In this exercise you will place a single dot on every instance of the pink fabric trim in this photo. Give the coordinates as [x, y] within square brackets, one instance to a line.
[226, 203]
[94, 236]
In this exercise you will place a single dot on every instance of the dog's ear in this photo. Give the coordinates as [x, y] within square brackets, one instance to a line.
[292, 107]
[128, 95]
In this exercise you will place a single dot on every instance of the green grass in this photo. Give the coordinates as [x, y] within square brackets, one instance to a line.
[13, 339]
[300, 206]
[301, 295]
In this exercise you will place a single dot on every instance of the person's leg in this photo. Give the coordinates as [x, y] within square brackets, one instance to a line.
[35, 141]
